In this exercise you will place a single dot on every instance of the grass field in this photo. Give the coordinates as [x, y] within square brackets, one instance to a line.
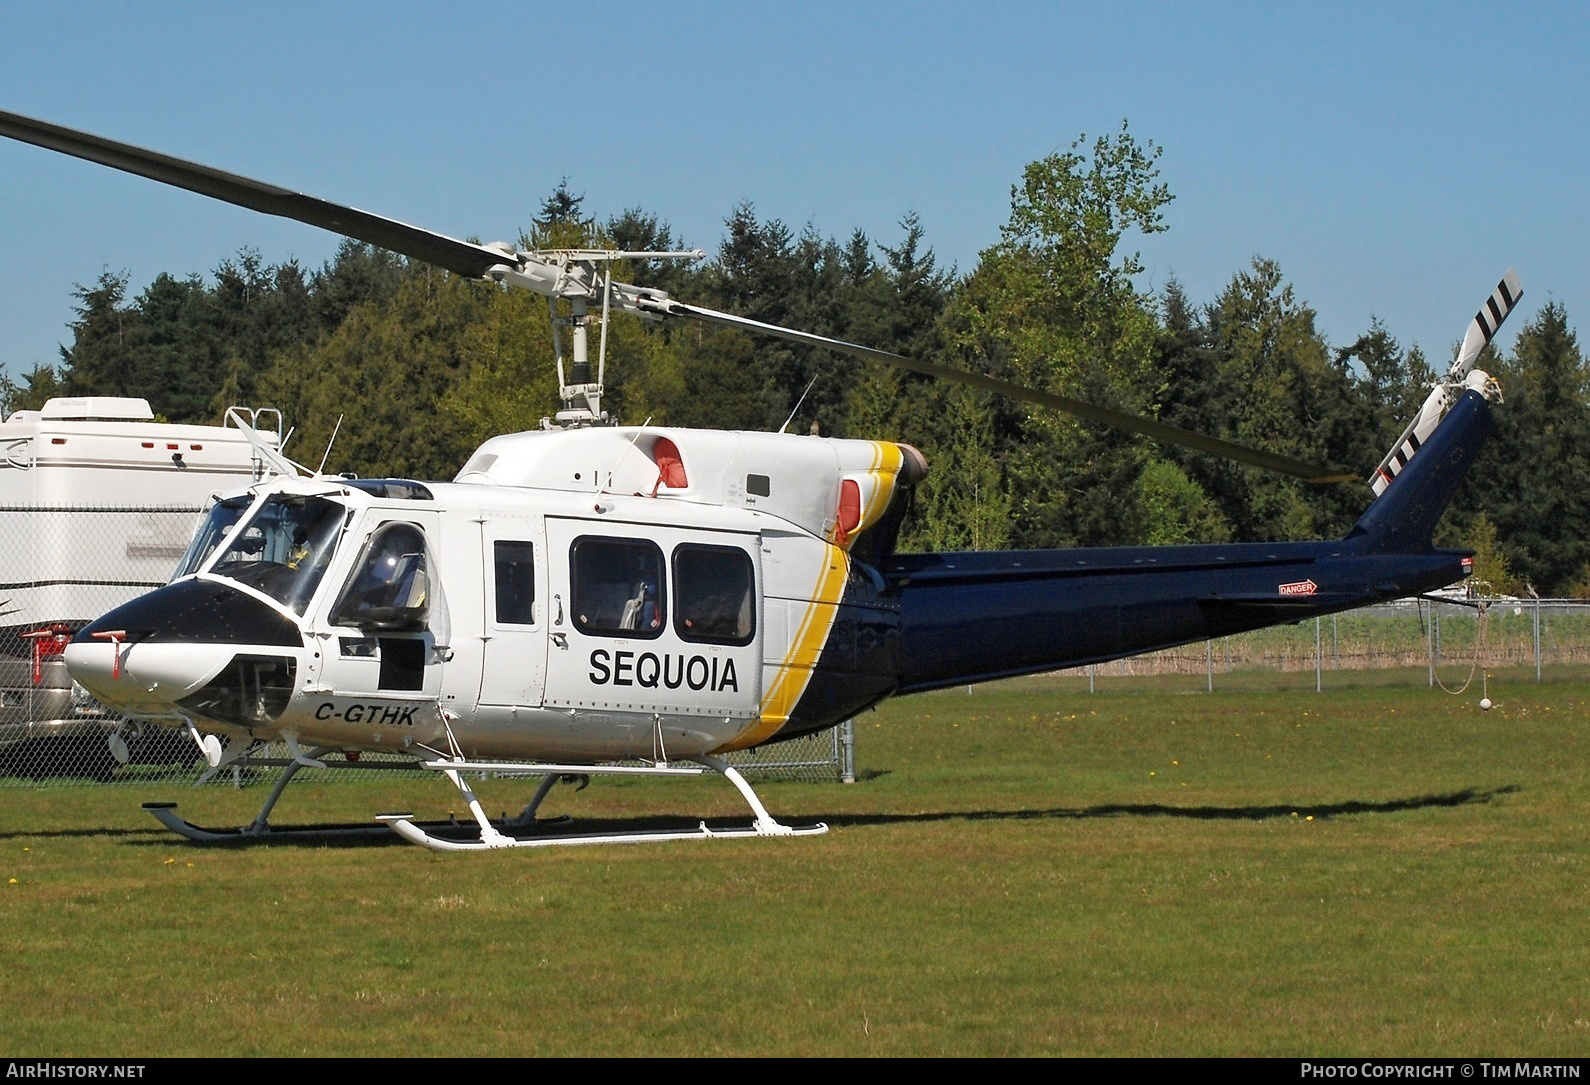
[1026, 870]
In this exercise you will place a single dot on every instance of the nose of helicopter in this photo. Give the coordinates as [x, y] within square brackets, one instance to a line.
[142, 677]
[145, 656]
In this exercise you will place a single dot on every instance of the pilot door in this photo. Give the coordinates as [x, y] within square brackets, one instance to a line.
[385, 630]
[647, 619]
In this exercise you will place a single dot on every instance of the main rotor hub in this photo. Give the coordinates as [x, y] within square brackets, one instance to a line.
[579, 276]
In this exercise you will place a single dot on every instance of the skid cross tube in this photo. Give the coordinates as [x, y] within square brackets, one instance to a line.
[493, 836]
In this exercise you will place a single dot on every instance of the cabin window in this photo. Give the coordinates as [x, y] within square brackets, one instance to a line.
[759, 485]
[618, 588]
[714, 595]
[515, 582]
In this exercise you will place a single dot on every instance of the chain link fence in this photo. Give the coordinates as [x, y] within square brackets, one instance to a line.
[60, 568]
[1412, 641]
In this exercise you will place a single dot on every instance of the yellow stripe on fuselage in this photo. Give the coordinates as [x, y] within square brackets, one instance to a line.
[885, 470]
[795, 672]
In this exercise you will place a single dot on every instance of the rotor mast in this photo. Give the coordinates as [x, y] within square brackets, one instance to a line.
[579, 277]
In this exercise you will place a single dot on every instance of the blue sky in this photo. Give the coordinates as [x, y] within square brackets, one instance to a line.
[1394, 158]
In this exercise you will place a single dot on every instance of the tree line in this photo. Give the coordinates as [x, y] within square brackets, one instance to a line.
[420, 366]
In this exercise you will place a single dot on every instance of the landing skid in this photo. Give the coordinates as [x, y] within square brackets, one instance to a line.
[166, 814]
[417, 833]
[491, 836]
[522, 831]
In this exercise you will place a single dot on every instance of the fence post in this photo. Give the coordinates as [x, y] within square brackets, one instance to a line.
[1537, 639]
[1318, 677]
[1429, 636]
[1209, 662]
[847, 751]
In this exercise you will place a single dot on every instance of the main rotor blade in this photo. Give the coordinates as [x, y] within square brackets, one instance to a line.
[1089, 412]
[463, 257]
[477, 261]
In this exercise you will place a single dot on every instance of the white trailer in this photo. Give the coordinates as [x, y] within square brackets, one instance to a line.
[98, 501]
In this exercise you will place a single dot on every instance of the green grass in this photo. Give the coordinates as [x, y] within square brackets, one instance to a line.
[1026, 870]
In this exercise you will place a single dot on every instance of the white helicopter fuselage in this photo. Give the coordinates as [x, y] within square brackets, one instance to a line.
[579, 598]
[575, 595]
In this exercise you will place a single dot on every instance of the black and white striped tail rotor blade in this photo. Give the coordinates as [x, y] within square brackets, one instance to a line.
[1482, 329]
[1418, 431]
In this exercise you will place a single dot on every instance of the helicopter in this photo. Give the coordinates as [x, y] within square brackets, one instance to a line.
[591, 598]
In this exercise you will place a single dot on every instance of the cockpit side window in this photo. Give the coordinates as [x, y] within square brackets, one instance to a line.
[283, 549]
[618, 587]
[390, 588]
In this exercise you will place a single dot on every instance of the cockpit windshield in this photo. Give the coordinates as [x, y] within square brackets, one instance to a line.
[223, 517]
[282, 549]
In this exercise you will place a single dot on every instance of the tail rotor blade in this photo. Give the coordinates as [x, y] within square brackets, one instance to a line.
[1482, 329]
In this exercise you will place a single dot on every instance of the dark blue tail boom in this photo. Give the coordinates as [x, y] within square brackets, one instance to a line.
[969, 617]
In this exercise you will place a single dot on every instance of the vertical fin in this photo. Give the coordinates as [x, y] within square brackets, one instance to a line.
[1403, 519]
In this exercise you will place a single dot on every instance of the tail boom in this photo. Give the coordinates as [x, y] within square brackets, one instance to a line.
[976, 616]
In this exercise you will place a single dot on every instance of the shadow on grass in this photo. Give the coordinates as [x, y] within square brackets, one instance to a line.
[1467, 797]
[157, 837]
[366, 835]
[68, 834]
